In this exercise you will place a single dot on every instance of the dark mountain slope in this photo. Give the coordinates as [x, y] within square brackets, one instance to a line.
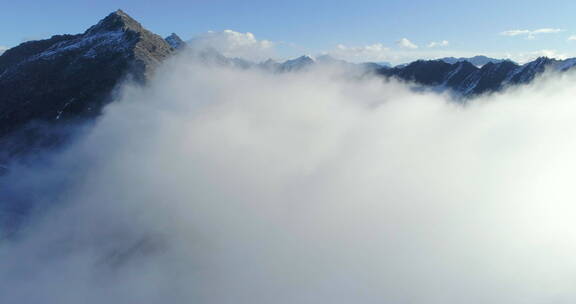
[478, 61]
[468, 80]
[70, 77]
[428, 73]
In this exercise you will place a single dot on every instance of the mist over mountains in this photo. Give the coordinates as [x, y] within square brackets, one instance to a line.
[139, 169]
[72, 77]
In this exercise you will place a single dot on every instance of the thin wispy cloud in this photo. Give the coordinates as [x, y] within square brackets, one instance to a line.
[572, 38]
[379, 52]
[372, 52]
[443, 43]
[406, 44]
[531, 34]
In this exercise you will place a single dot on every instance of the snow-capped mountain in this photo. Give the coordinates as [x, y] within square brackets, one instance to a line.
[175, 41]
[303, 62]
[466, 79]
[478, 61]
[69, 77]
[297, 63]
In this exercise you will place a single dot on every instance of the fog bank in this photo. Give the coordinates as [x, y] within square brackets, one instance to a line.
[215, 185]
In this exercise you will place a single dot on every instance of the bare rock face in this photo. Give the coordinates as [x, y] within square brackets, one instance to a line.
[467, 80]
[72, 77]
[175, 41]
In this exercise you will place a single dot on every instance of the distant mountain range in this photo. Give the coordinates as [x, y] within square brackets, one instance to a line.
[70, 78]
[478, 61]
[466, 79]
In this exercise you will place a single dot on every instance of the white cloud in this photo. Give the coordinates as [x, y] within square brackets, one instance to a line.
[3, 49]
[531, 34]
[515, 32]
[379, 52]
[547, 31]
[375, 52]
[572, 38]
[406, 44]
[442, 43]
[530, 56]
[235, 44]
[228, 186]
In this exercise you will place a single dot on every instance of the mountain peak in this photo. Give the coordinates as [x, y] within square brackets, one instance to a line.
[175, 41]
[75, 75]
[543, 59]
[305, 58]
[116, 21]
[478, 60]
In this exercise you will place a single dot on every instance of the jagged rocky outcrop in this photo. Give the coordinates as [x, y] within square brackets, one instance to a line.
[70, 77]
[304, 62]
[175, 41]
[478, 61]
[291, 65]
[50, 89]
[296, 64]
[466, 79]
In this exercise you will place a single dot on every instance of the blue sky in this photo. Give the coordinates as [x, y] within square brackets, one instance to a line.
[354, 30]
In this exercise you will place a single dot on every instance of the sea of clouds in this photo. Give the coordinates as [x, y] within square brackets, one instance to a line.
[215, 185]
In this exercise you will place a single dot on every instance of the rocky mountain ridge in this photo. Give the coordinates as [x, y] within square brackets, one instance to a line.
[467, 80]
[72, 77]
[478, 60]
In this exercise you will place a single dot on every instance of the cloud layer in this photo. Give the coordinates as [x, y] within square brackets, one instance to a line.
[235, 44]
[405, 51]
[531, 34]
[406, 44]
[442, 43]
[247, 46]
[530, 56]
[375, 52]
[222, 186]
